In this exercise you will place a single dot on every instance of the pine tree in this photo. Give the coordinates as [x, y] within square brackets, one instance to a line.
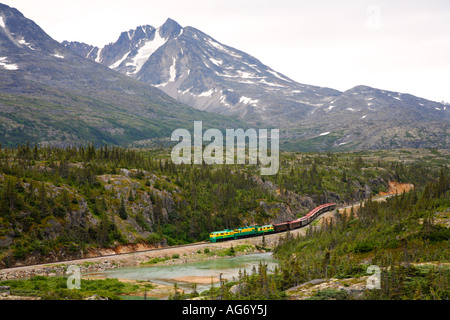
[122, 210]
[4, 206]
[65, 199]
[157, 209]
[130, 196]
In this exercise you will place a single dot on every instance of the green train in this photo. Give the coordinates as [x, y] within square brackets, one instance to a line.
[240, 232]
[230, 234]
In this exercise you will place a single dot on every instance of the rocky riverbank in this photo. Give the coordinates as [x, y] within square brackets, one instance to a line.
[169, 255]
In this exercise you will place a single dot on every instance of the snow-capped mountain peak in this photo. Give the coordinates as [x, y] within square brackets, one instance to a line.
[202, 72]
[132, 49]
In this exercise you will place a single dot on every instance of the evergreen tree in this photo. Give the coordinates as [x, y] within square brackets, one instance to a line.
[123, 210]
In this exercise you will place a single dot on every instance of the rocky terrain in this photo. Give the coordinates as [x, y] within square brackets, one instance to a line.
[353, 287]
[151, 81]
[51, 96]
[80, 219]
[198, 70]
[147, 203]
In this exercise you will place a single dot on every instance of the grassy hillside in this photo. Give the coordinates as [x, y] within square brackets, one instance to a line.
[62, 117]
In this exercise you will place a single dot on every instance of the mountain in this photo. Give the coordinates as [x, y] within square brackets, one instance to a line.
[196, 69]
[50, 95]
[53, 93]
[370, 118]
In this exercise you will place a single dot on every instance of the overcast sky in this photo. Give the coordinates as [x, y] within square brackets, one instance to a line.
[394, 45]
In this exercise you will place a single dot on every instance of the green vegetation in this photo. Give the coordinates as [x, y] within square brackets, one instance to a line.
[55, 288]
[259, 284]
[155, 260]
[413, 282]
[70, 114]
[399, 235]
[121, 196]
[63, 201]
[330, 294]
[395, 235]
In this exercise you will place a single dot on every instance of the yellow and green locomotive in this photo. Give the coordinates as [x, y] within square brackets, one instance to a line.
[228, 234]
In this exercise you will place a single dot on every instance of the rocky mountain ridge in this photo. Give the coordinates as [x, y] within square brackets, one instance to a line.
[50, 95]
[194, 68]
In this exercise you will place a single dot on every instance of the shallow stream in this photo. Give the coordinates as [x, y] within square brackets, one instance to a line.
[200, 272]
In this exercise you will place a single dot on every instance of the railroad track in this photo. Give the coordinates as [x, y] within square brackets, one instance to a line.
[118, 255]
[80, 260]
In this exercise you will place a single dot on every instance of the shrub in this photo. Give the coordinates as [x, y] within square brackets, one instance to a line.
[330, 294]
[364, 246]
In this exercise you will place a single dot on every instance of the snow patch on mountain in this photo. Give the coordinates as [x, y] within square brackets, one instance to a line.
[263, 81]
[247, 75]
[223, 99]
[276, 74]
[23, 42]
[222, 48]
[247, 100]
[172, 70]
[5, 64]
[162, 85]
[206, 93]
[185, 91]
[147, 50]
[118, 62]
[216, 62]
[97, 59]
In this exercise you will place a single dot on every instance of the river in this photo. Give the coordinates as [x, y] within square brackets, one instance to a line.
[199, 272]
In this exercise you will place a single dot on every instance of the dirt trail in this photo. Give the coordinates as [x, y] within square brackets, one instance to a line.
[397, 187]
[393, 189]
